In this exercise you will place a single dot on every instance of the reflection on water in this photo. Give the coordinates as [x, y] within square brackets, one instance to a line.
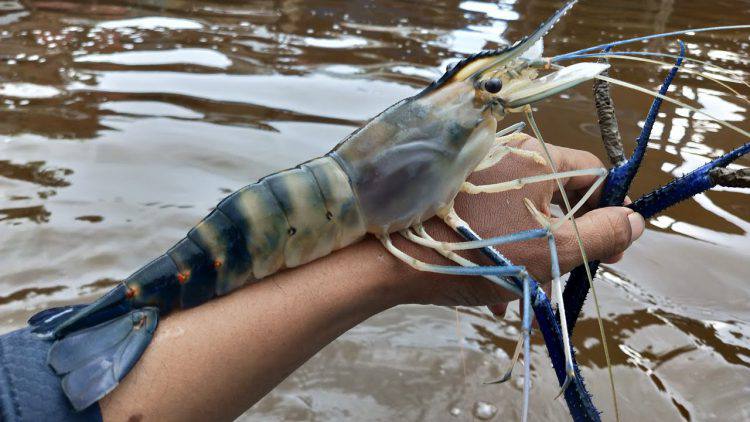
[124, 122]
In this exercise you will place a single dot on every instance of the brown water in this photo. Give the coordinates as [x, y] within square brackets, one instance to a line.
[121, 124]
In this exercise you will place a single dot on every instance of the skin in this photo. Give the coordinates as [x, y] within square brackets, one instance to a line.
[215, 361]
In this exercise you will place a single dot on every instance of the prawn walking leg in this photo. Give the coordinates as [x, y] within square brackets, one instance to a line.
[502, 282]
[499, 271]
[471, 188]
[500, 149]
[421, 234]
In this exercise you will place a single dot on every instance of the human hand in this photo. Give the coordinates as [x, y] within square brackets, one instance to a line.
[605, 232]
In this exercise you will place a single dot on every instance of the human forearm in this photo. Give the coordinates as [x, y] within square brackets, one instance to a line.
[215, 361]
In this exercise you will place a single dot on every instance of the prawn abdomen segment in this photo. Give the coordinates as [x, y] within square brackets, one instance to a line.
[295, 216]
[196, 276]
[341, 204]
[225, 250]
[259, 218]
[310, 234]
[155, 284]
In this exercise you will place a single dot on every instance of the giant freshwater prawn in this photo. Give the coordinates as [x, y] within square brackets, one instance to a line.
[434, 140]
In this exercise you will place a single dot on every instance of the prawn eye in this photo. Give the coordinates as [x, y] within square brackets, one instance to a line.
[493, 86]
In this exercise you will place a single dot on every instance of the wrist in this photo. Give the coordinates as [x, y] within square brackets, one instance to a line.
[396, 282]
[390, 280]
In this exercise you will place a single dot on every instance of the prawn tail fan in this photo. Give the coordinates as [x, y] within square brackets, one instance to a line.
[95, 345]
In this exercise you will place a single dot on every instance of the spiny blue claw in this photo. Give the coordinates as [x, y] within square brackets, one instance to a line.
[680, 189]
[615, 189]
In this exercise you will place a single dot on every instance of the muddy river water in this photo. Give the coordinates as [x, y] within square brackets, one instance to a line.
[123, 123]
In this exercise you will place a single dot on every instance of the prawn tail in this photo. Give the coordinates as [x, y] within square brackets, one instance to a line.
[44, 323]
[95, 345]
[93, 360]
[56, 322]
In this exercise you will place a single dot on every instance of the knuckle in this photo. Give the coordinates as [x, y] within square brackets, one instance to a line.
[528, 142]
[592, 159]
[575, 159]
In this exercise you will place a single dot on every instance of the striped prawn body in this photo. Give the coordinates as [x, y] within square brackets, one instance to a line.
[284, 220]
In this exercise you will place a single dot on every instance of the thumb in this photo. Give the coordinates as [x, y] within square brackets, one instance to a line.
[605, 232]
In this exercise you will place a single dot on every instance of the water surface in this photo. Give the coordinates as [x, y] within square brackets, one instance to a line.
[123, 123]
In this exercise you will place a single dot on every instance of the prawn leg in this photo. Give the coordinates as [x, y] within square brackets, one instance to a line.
[473, 189]
[548, 233]
[577, 397]
[507, 374]
[445, 248]
[499, 271]
[421, 234]
[500, 150]
[502, 282]
[459, 225]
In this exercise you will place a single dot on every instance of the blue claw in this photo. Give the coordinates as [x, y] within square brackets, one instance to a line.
[615, 189]
[693, 183]
[526, 345]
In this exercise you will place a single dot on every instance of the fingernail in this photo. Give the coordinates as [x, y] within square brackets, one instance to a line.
[637, 226]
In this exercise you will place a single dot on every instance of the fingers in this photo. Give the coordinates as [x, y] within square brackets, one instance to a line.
[605, 232]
